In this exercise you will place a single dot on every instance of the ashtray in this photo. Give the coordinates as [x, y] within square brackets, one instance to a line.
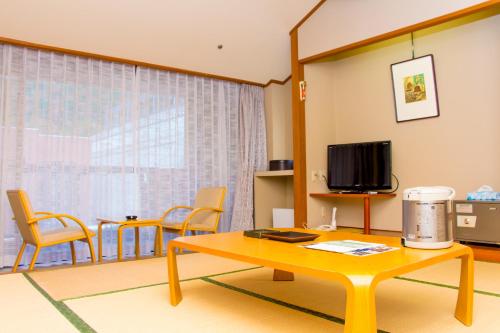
[131, 217]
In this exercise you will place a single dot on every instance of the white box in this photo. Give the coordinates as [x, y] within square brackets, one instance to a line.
[282, 218]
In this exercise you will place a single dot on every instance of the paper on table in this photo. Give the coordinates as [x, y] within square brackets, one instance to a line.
[371, 251]
[343, 246]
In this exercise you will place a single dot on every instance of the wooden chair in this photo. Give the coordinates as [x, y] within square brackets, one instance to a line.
[27, 222]
[204, 216]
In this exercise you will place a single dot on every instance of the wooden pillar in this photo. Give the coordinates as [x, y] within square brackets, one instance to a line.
[299, 137]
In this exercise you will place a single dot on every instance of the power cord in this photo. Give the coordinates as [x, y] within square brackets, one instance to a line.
[325, 180]
[397, 184]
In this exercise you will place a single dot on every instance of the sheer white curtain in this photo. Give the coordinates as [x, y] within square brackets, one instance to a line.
[252, 153]
[191, 126]
[99, 139]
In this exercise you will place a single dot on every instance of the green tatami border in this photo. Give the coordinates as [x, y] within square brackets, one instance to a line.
[477, 291]
[155, 284]
[282, 303]
[449, 286]
[71, 316]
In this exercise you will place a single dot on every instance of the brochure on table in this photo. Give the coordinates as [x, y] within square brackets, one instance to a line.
[351, 247]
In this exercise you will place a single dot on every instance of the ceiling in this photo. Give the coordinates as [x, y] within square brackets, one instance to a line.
[177, 33]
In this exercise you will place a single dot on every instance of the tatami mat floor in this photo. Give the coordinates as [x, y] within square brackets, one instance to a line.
[25, 309]
[90, 280]
[222, 295]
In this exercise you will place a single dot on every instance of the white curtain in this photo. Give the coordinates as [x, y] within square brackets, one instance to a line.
[252, 153]
[99, 139]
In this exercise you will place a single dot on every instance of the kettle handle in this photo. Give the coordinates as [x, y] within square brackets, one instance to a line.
[452, 191]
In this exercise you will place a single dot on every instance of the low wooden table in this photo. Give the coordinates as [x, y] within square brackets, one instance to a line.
[122, 224]
[359, 275]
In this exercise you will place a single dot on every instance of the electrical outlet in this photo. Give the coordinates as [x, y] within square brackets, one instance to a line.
[314, 176]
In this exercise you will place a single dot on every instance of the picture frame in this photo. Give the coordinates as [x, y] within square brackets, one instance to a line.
[415, 90]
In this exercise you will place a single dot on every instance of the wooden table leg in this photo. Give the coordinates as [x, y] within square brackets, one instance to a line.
[280, 275]
[156, 241]
[173, 276]
[159, 239]
[73, 253]
[465, 300]
[360, 314]
[99, 241]
[137, 243]
[366, 216]
[119, 243]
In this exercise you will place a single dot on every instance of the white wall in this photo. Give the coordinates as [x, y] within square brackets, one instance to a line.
[340, 22]
[175, 33]
[460, 148]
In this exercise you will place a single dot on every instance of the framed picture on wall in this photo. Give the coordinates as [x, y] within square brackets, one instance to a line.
[414, 86]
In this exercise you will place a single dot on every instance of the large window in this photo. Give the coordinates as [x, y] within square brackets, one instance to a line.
[101, 139]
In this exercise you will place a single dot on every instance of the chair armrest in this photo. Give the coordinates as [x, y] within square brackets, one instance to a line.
[167, 212]
[60, 217]
[198, 210]
[50, 213]
[43, 213]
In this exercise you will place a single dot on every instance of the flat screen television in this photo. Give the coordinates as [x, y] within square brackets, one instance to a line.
[359, 167]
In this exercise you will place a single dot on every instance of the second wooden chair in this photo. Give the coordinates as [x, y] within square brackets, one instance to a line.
[204, 216]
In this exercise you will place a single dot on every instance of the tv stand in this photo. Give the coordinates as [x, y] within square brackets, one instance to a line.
[366, 202]
[355, 192]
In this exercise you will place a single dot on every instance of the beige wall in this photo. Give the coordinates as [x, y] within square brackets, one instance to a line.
[460, 148]
[341, 22]
[320, 131]
[278, 99]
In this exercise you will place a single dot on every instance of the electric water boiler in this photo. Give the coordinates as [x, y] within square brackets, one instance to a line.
[427, 217]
